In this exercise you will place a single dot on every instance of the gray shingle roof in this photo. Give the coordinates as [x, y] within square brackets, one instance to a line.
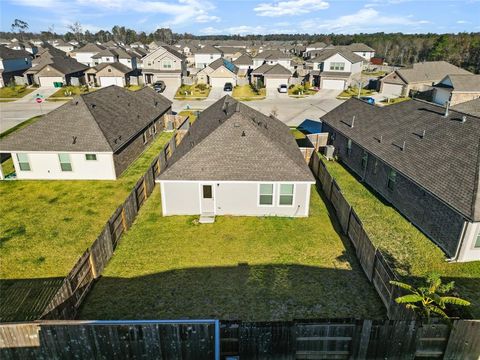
[446, 162]
[267, 69]
[272, 55]
[104, 120]
[327, 53]
[471, 107]
[465, 82]
[90, 48]
[317, 45]
[429, 71]
[207, 49]
[244, 59]
[119, 66]
[231, 141]
[7, 53]
[223, 62]
[358, 47]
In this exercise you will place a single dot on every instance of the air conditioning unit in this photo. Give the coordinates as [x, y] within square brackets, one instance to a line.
[328, 152]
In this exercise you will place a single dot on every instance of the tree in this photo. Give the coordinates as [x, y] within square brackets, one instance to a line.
[20, 26]
[429, 299]
[76, 29]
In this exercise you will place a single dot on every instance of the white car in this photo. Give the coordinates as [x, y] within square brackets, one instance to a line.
[283, 88]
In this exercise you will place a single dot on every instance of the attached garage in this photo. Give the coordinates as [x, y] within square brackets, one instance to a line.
[392, 89]
[220, 81]
[273, 83]
[49, 81]
[333, 84]
[111, 80]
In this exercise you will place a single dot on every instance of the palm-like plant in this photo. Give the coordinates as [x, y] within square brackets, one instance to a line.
[429, 299]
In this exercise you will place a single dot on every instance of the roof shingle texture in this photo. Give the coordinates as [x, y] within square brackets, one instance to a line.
[446, 162]
[429, 71]
[233, 142]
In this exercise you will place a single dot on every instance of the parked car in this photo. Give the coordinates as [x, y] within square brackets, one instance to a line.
[283, 88]
[159, 86]
[228, 87]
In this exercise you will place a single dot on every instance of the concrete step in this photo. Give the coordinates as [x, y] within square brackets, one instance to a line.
[207, 218]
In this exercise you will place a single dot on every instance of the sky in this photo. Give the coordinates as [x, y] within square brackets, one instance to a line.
[211, 17]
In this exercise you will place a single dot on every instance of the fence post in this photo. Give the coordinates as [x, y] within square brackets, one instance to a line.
[364, 339]
[124, 220]
[93, 267]
[144, 188]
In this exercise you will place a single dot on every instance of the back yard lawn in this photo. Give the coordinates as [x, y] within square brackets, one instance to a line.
[46, 225]
[412, 254]
[249, 268]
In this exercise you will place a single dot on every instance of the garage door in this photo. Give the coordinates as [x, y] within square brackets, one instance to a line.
[275, 83]
[220, 82]
[111, 80]
[48, 81]
[333, 84]
[392, 89]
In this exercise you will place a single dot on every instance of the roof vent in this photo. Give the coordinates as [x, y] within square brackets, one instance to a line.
[380, 139]
[243, 133]
[464, 118]
[423, 134]
[447, 107]
[94, 106]
[236, 125]
[403, 145]
[353, 121]
[156, 103]
[225, 107]
[237, 108]
[76, 102]
[74, 140]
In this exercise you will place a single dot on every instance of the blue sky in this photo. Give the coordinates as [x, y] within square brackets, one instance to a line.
[248, 16]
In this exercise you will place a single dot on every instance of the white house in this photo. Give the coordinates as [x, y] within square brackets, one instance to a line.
[88, 138]
[361, 50]
[456, 89]
[311, 48]
[217, 73]
[236, 161]
[86, 53]
[272, 57]
[206, 55]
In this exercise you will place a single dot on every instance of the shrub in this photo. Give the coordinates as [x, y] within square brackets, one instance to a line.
[202, 87]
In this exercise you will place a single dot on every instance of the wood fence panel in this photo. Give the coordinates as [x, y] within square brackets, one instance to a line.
[140, 192]
[464, 341]
[314, 163]
[431, 340]
[366, 251]
[229, 338]
[117, 226]
[130, 209]
[354, 228]
[101, 251]
[342, 207]
[382, 275]
[269, 340]
[325, 179]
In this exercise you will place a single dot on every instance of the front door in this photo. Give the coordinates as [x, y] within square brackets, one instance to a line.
[208, 202]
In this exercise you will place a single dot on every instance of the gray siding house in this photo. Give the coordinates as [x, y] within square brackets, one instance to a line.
[236, 161]
[166, 64]
[424, 163]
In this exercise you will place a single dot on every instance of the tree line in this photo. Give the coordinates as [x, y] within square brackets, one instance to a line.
[462, 49]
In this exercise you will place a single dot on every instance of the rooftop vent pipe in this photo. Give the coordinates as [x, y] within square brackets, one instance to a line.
[423, 134]
[464, 118]
[447, 107]
[353, 121]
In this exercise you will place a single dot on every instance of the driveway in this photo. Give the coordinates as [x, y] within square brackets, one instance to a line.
[170, 91]
[272, 93]
[217, 93]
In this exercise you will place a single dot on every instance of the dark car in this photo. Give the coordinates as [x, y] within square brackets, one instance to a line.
[228, 87]
[159, 86]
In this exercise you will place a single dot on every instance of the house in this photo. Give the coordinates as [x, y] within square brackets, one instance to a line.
[244, 63]
[94, 136]
[272, 57]
[12, 64]
[270, 76]
[311, 48]
[361, 50]
[419, 77]
[457, 88]
[206, 55]
[471, 107]
[156, 44]
[62, 45]
[236, 161]
[53, 69]
[231, 53]
[27, 46]
[165, 64]
[217, 73]
[333, 68]
[420, 158]
[118, 54]
[106, 74]
[86, 53]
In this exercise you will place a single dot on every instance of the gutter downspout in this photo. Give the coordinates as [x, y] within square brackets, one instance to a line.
[460, 243]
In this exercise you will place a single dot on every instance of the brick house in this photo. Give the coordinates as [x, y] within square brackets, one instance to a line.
[424, 163]
[95, 136]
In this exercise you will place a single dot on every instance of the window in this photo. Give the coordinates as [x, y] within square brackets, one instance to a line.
[155, 128]
[364, 160]
[286, 194]
[364, 54]
[266, 194]
[145, 137]
[90, 156]
[109, 70]
[477, 242]
[23, 163]
[375, 167]
[167, 63]
[65, 163]
[349, 147]
[392, 178]
[338, 66]
[207, 192]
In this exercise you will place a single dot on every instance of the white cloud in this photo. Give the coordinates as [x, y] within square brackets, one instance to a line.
[204, 18]
[237, 30]
[210, 31]
[291, 7]
[364, 20]
[463, 22]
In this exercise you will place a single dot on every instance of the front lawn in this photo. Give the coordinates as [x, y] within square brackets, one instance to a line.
[46, 225]
[134, 87]
[192, 114]
[192, 92]
[391, 101]
[70, 91]
[300, 90]
[15, 92]
[248, 92]
[353, 92]
[412, 253]
[248, 268]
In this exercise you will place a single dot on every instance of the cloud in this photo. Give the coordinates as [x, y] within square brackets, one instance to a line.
[204, 18]
[364, 20]
[291, 7]
[238, 30]
[463, 22]
[210, 31]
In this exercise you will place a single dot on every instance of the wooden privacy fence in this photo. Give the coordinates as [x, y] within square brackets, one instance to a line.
[66, 302]
[372, 260]
[211, 339]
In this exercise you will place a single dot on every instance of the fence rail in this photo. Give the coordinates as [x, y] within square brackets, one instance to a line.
[372, 260]
[212, 339]
[76, 285]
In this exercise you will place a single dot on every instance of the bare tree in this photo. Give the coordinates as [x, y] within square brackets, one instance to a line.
[76, 29]
[20, 26]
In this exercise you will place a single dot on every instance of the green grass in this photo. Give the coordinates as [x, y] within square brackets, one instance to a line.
[19, 126]
[70, 91]
[353, 92]
[249, 268]
[134, 87]
[248, 93]
[373, 73]
[192, 92]
[46, 225]
[297, 134]
[300, 90]
[395, 100]
[14, 92]
[413, 253]
[192, 114]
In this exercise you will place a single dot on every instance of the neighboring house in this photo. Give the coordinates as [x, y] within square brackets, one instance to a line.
[471, 107]
[244, 63]
[231, 53]
[62, 45]
[419, 77]
[270, 76]
[457, 89]
[362, 50]
[206, 55]
[422, 162]
[94, 136]
[311, 49]
[118, 54]
[236, 161]
[107, 74]
[86, 53]
[137, 44]
[333, 68]
[27, 46]
[13, 63]
[272, 57]
[217, 73]
[165, 64]
[156, 44]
